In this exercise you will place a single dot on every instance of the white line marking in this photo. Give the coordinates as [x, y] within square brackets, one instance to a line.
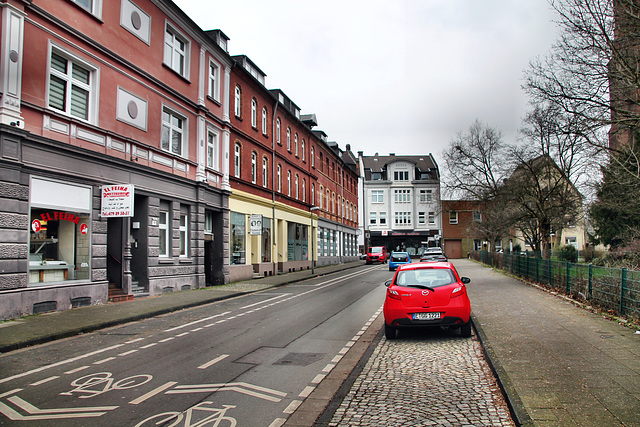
[197, 321]
[292, 407]
[73, 371]
[126, 353]
[135, 340]
[46, 380]
[337, 359]
[10, 392]
[307, 391]
[213, 362]
[100, 362]
[153, 393]
[167, 339]
[318, 379]
[278, 422]
[329, 367]
[149, 345]
[265, 301]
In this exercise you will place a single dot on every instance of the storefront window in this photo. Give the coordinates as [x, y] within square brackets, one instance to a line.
[238, 236]
[59, 246]
[297, 242]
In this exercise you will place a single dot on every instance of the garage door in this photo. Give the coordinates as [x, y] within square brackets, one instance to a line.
[453, 248]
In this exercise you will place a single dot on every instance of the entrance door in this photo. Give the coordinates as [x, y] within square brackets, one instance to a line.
[214, 252]
[115, 251]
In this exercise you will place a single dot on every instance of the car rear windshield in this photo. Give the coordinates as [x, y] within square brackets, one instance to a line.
[399, 257]
[431, 277]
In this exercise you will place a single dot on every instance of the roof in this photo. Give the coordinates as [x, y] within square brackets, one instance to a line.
[379, 163]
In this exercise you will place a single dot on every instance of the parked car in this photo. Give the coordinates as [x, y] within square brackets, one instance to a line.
[397, 259]
[426, 295]
[377, 254]
[433, 258]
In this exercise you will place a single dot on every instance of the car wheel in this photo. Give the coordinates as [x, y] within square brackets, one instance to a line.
[465, 330]
[389, 332]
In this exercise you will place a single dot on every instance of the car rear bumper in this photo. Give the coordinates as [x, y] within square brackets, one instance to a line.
[404, 322]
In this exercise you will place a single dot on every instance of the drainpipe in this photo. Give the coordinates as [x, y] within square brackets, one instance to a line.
[274, 233]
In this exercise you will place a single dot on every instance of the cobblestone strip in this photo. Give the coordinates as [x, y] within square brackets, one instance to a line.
[425, 379]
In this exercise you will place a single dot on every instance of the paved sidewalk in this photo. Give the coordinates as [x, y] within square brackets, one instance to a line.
[559, 364]
[46, 327]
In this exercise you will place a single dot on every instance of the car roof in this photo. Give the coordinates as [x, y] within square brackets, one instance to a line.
[399, 252]
[418, 266]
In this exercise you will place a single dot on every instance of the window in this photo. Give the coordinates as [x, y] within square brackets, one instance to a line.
[402, 196]
[212, 150]
[214, 81]
[265, 164]
[422, 217]
[313, 157]
[477, 216]
[453, 217]
[163, 226]
[313, 194]
[254, 167]
[238, 100]
[320, 193]
[208, 222]
[377, 196]
[302, 149]
[383, 217]
[426, 196]
[401, 176]
[376, 176]
[373, 218]
[71, 86]
[296, 145]
[432, 218]
[278, 130]
[172, 132]
[402, 218]
[573, 241]
[304, 190]
[279, 173]
[92, 6]
[184, 231]
[289, 183]
[297, 188]
[254, 113]
[264, 121]
[236, 172]
[238, 232]
[288, 139]
[175, 51]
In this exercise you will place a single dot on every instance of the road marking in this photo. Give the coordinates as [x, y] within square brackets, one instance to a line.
[126, 353]
[197, 321]
[46, 380]
[329, 367]
[278, 422]
[10, 392]
[153, 393]
[265, 301]
[292, 407]
[318, 378]
[49, 414]
[240, 387]
[73, 371]
[100, 362]
[214, 361]
[149, 345]
[307, 391]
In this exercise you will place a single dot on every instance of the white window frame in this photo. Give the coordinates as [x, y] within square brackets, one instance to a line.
[296, 144]
[265, 169]
[477, 216]
[254, 167]
[373, 218]
[236, 160]
[254, 113]
[288, 139]
[297, 183]
[289, 183]
[213, 148]
[383, 216]
[238, 101]
[278, 130]
[377, 196]
[279, 174]
[94, 7]
[304, 190]
[422, 218]
[91, 88]
[164, 229]
[264, 121]
[313, 157]
[431, 218]
[313, 194]
[172, 128]
[453, 217]
[184, 234]
[172, 52]
[214, 80]
[302, 149]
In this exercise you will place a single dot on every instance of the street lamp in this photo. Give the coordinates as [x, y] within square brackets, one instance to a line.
[313, 240]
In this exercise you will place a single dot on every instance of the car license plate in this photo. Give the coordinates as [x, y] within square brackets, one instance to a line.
[426, 316]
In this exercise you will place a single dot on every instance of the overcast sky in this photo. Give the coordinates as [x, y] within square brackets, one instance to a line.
[400, 76]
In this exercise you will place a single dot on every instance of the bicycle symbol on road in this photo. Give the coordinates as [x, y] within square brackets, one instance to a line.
[189, 418]
[102, 382]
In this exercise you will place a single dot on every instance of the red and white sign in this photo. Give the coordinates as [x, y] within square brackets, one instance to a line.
[117, 200]
[84, 228]
[36, 225]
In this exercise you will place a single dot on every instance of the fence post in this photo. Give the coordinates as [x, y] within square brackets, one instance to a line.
[590, 281]
[550, 270]
[623, 285]
[568, 277]
[526, 273]
[537, 272]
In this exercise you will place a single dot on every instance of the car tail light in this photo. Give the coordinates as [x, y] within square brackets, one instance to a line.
[393, 294]
[457, 291]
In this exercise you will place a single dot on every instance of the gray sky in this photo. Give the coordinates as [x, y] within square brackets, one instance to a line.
[402, 76]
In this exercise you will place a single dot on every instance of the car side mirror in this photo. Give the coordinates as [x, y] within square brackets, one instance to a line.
[388, 283]
[465, 280]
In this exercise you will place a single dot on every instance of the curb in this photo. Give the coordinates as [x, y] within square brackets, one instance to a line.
[516, 407]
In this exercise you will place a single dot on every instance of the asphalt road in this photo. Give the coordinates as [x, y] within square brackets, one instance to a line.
[250, 360]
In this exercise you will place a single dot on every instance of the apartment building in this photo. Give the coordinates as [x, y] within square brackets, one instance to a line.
[280, 218]
[114, 127]
[401, 202]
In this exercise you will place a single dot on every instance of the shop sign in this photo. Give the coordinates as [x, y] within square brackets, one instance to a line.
[255, 225]
[117, 201]
[55, 216]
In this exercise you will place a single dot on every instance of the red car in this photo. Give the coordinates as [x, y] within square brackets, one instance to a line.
[427, 294]
[377, 254]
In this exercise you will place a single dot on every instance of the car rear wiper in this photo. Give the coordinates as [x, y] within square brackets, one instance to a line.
[422, 287]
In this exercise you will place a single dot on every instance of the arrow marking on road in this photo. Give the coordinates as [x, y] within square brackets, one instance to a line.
[49, 414]
[240, 387]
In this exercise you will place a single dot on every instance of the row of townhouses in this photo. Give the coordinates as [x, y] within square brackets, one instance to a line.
[137, 154]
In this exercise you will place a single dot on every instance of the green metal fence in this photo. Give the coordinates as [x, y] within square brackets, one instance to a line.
[612, 289]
